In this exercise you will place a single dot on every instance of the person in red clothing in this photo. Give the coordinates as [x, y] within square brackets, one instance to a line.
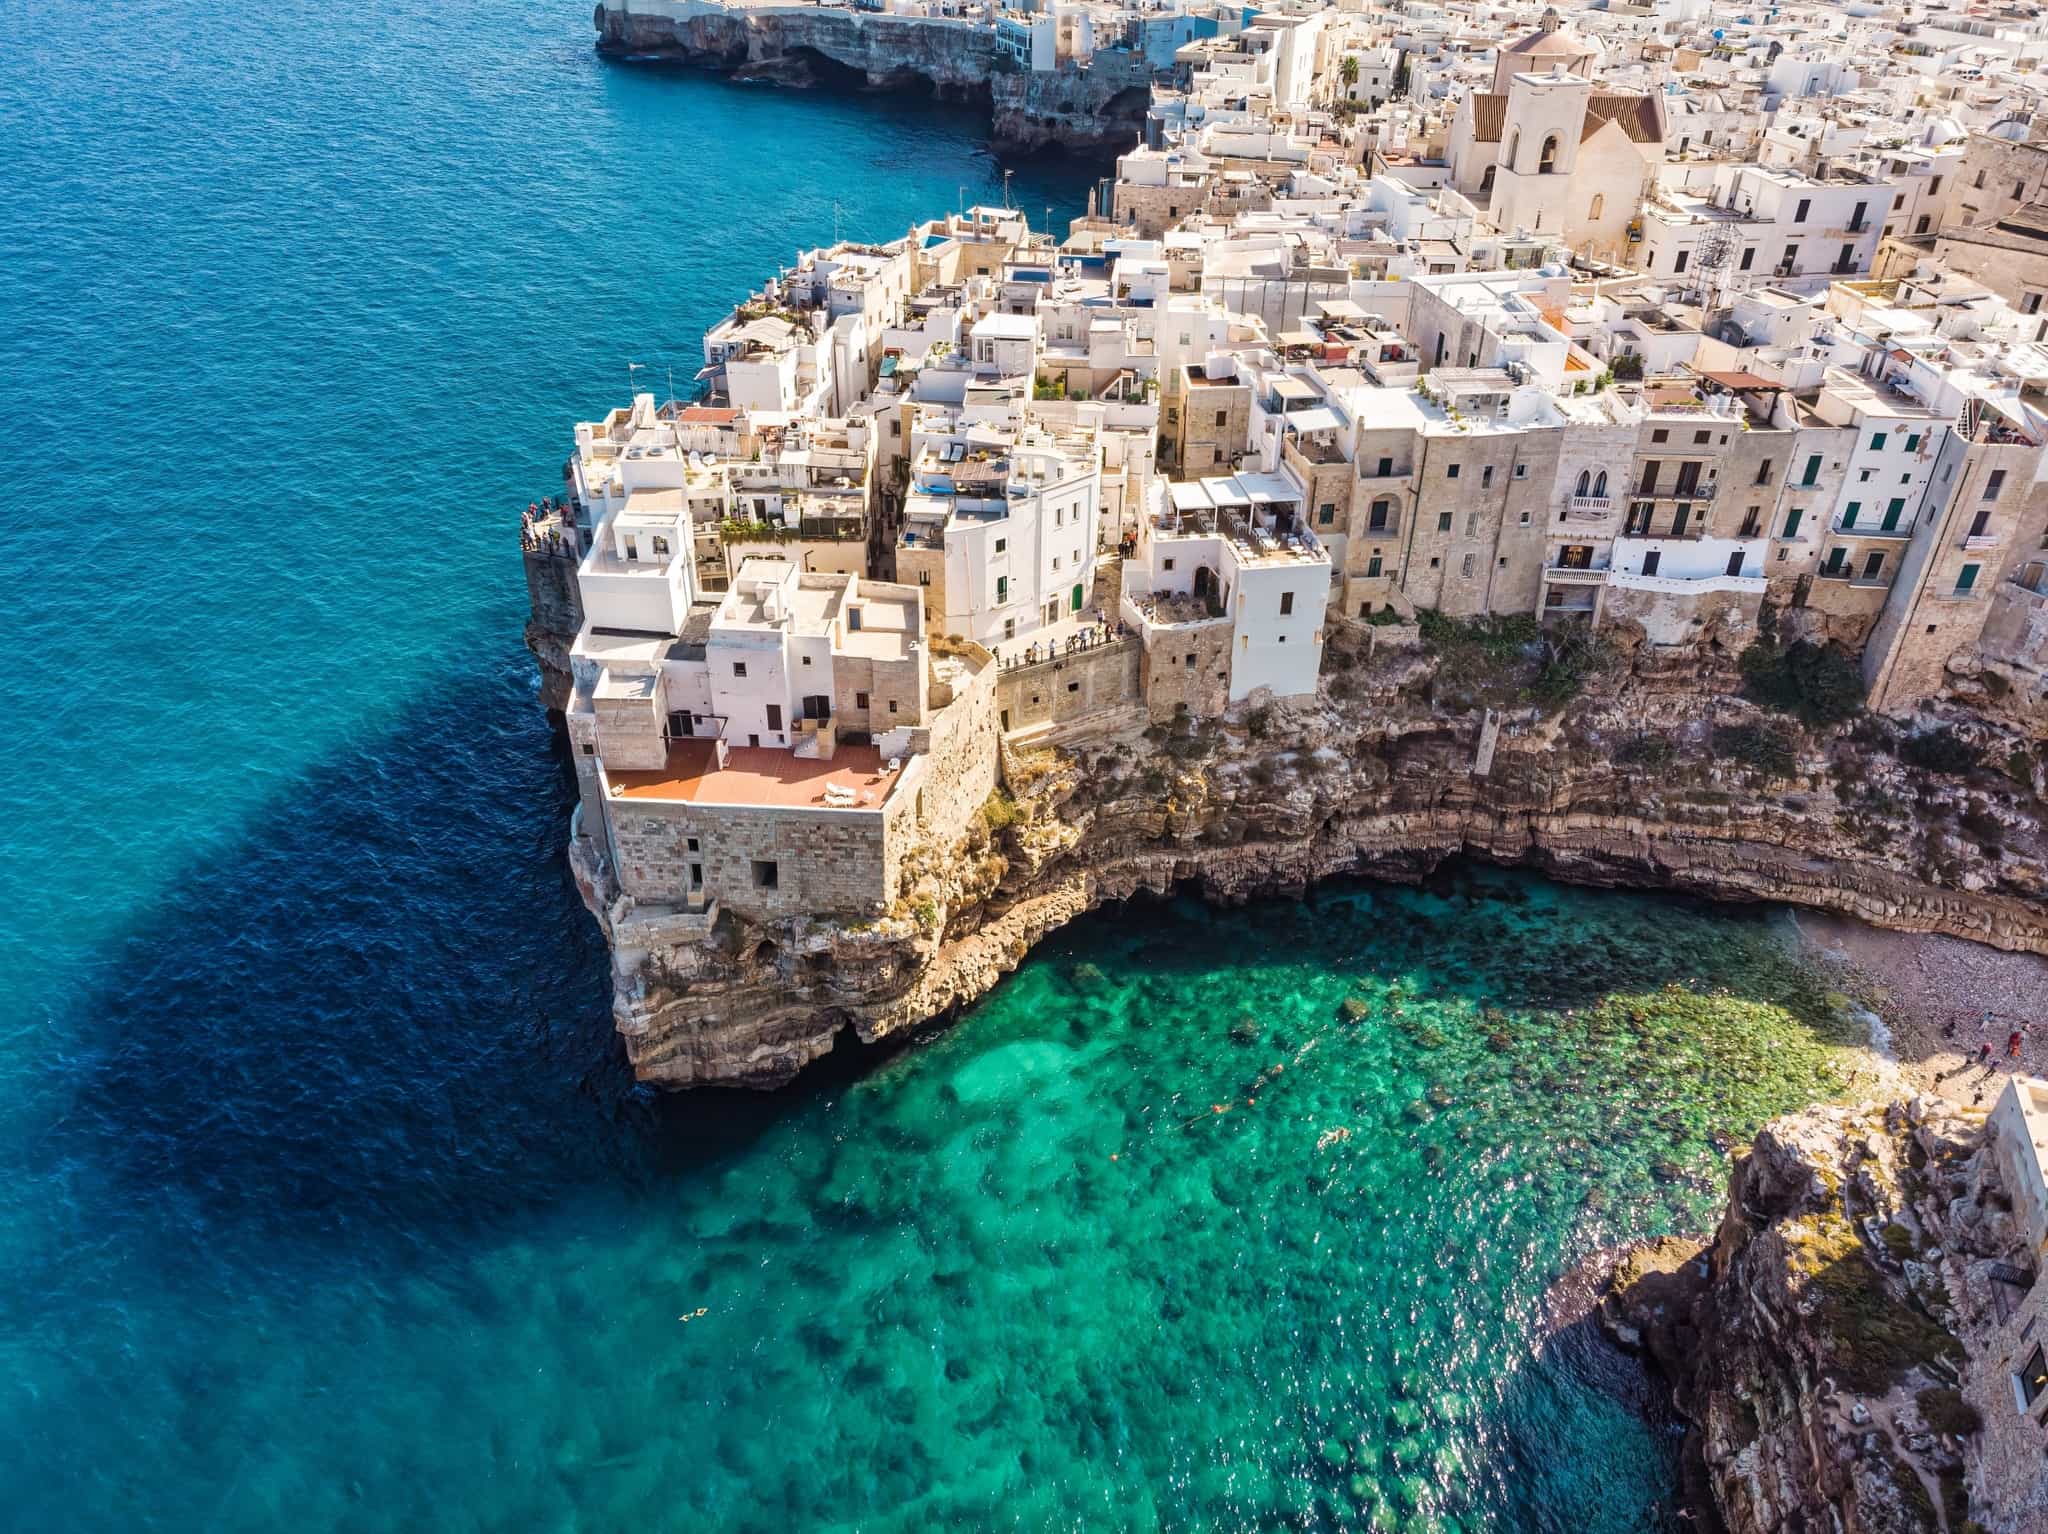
[2012, 1045]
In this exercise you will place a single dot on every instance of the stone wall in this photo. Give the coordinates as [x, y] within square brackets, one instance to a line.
[958, 768]
[1154, 209]
[1070, 688]
[826, 862]
[1188, 665]
[1207, 428]
[876, 695]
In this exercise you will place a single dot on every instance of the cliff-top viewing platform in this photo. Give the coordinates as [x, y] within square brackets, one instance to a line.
[760, 776]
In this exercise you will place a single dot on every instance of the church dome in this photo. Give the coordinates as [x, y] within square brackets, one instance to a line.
[1550, 41]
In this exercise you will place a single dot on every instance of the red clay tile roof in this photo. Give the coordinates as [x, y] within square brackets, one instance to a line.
[1489, 111]
[1637, 116]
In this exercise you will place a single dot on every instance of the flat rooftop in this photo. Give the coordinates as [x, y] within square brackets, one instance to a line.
[760, 775]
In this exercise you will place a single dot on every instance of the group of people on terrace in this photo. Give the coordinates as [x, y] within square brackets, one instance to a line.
[1092, 637]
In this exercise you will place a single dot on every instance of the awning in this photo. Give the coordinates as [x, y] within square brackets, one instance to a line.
[1322, 418]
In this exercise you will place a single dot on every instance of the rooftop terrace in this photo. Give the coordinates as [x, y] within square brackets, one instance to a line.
[760, 775]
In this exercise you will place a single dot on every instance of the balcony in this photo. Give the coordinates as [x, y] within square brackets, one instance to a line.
[1703, 492]
[1592, 508]
[1979, 542]
[1870, 531]
[1574, 575]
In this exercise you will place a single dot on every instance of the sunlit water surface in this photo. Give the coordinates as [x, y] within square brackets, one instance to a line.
[328, 1203]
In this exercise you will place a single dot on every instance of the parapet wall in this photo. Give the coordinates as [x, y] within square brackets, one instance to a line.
[1106, 683]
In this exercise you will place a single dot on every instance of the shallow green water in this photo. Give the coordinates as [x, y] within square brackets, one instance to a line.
[329, 1204]
[1103, 1253]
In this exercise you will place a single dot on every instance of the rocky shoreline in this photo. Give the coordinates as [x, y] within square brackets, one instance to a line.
[1094, 110]
[1834, 1348]
[1374, 777]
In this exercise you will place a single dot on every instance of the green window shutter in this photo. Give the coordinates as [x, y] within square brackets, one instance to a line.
[1968, 579]
[1913, 443]
[1892, 514]
[1077, 598]
[1812, 470]
[1877, 442]
[1849, 513]
[1792, 522]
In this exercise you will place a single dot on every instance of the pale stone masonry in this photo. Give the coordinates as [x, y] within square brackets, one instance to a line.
[1622, 322]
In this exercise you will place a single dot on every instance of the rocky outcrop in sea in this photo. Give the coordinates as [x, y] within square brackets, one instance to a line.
[1098, 108]
[1837, 1347]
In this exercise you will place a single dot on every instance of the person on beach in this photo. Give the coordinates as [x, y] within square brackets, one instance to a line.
[2012, 1045]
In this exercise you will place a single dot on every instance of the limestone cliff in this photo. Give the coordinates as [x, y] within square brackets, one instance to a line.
[1664, 781]
[1100, 107]
[1834, 1346]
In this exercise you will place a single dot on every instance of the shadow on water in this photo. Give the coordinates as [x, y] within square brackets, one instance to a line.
[384, 1010]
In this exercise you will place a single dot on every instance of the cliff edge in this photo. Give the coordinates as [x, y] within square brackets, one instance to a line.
[1841, 1347]
[1098, 107]
[1655, 780]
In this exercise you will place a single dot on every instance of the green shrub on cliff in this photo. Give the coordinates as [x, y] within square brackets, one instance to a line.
[1941, 750]
[999, 812]
[1947, 1412]
[1571, 654]
[1645, 749]
[1510, 659]
[1821, 684]
[1769, 750]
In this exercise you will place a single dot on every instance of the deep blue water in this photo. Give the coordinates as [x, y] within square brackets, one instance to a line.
[327, 1200]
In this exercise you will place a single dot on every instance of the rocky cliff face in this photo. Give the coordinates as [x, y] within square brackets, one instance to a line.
[1661, 783]
[1827, 1345]
[1090, 109]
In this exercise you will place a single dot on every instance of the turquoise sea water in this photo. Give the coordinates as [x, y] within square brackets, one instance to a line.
[327, 1200]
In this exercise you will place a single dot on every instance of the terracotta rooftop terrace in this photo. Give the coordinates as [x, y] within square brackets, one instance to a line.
[761, 775]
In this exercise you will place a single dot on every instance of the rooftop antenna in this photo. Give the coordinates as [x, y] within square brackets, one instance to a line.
[631, 383]
[671, 383]
[1007, 174]
[835, 221]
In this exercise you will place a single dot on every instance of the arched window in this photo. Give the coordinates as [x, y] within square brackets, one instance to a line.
[1381, 515]
[1546, 162]
[1486, 181]
[1585, 482]
[1600, 483]
[1515, 150]
[1599, 206]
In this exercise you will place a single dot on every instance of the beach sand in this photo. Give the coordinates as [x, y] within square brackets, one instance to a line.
[1932, 994]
